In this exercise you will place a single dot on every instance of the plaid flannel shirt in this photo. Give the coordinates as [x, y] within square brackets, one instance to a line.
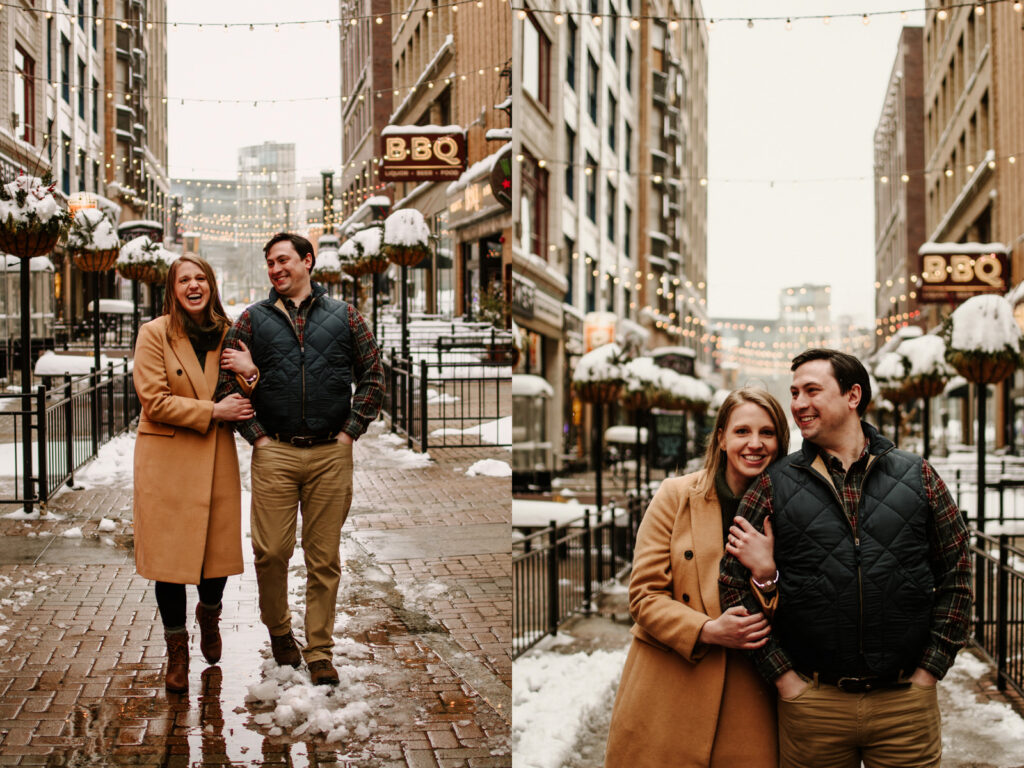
[947, 556]
[367, 370]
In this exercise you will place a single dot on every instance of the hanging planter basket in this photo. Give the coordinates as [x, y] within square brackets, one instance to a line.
[27, 242]
[597, 391]
[144, 273]
[406, 255]
[925, 387]
[95, 261]
[327, 277]
[895, 393]
[375, 265]
[980, 368]
[351, 268]
[638, 400]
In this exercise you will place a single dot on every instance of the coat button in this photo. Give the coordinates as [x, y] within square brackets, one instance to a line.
[686, 598]
[688, 554]
[179, 371]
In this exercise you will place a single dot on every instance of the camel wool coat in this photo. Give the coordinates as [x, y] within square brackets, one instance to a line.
[187, 500]
[681, 703]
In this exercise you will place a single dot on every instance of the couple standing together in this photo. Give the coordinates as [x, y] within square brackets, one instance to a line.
[840, 573]
[283, 377]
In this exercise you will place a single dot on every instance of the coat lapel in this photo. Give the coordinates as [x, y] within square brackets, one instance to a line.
[707, 547]
[212, 369]
[182, 348]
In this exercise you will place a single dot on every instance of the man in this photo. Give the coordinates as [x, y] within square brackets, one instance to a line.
[874, 581]
[308, 350]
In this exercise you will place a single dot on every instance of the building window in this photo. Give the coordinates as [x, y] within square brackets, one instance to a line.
[95, 105]
[96, 176]
[536, 62]
[65, 69]
[591, 174]
[81, 15]
[611, 203]
[570, 59]
[534, 207]
[49, 50]
[81, 89]
[629, 67]
[570, 273]
[627, 150]
[591, 285]
[570, 163]
[592, 88]
[613, 118]
[24, 94]
[65, 166]
[82, 165]
[95, 29]
[595, 7]
[627, 231]
[613, 31]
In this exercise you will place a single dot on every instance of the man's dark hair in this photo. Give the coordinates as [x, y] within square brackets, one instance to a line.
[302, 245]
[847, 369]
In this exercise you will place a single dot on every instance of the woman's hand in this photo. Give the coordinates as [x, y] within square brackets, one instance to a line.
[736, 628]
[238, 361]
[755, 550]
[233, 408]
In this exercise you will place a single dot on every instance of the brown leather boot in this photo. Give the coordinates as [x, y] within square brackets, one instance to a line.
[285, 650]
[209, 632]
[176, 680]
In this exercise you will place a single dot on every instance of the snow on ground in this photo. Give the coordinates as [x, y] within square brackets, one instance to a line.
[113, 465]
[19, 594]
[440, 398]
[72, 533]
[420, 595]
[974, 728]
[382, 449]
[495, 432]
[552, 694]
[490, 468]
[20, 514]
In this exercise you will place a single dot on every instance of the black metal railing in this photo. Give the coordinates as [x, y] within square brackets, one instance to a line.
[70, 420]
[999, 605]
[556, 571]
[452, 404]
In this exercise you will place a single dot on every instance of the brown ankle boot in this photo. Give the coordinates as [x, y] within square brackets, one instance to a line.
[176, 680]
[209, 632]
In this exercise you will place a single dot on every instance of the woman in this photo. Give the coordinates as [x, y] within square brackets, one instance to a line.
[187, 501]
[688, 696]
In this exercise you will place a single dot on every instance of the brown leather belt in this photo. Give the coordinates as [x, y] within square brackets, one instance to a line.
[867, 684]
[305, 441]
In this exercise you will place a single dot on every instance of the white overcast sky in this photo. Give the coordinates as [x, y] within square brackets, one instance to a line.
[214, 63]
[795, 107]
[798, 107]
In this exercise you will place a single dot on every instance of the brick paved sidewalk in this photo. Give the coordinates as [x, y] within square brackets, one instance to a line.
[422, 630]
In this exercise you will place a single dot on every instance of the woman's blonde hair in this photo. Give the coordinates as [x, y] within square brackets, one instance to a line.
[213, 313]
[714, 455]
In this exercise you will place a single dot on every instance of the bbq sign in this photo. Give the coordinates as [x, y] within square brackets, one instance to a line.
[422, 153]
[953, 272]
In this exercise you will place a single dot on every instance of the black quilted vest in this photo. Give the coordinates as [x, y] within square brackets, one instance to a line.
[305, 388]
[853, 604]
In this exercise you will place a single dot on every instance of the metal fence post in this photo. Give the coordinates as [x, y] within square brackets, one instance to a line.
[125, 407]
[69, 428]
[599, 545]
[423, 404]
[553, 579]
[1002, 611]
[410, 399]
[44, 484]
[110, 400]
[588, 572]
[94, 401]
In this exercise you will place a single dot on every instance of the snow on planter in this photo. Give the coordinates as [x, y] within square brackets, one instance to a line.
[328, 266]
[891, 374]
[927, 369]
[406, 237]
[983, 341]
[142, 259]
[368, 243]
[93, 241]
[31, 218]
[599, 374]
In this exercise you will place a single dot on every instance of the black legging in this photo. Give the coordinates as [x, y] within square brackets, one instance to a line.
[170, 598]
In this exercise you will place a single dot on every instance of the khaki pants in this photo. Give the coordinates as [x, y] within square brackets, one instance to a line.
[320, 479]
[824, 727]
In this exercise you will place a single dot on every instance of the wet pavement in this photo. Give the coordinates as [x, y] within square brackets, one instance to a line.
[422, 635]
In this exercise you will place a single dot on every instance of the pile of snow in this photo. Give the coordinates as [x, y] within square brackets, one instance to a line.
[440, 398]
[985, 324]
[39, 205]
[601, 364]
[113, 465]
[72, 533]
[366, 241]
[490, 468]
[890, 369]
[497, 432]
[91, 230]
[301, 709]
[406, 227]
[106, 525]
[926, 356]
[970, 721]
[552, 694]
